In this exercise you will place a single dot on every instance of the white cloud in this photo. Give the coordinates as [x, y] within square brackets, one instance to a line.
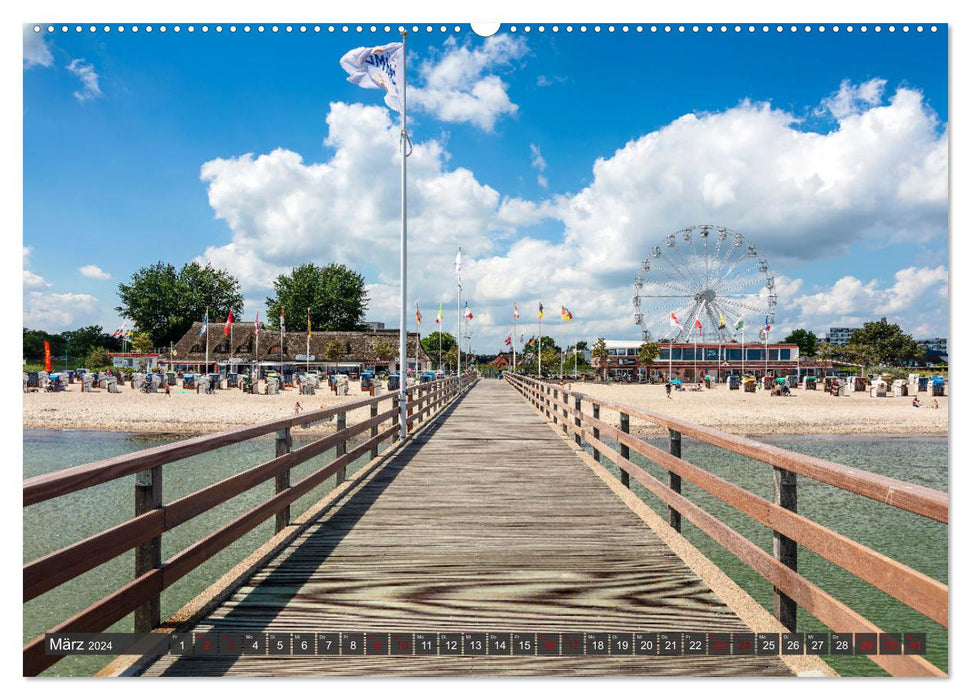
[94, 272]
[36, 50]
[880, 176]
[55, 312]
[30, 279]
[853, 99]
[539, 163]
[456, 87]
[89, 80]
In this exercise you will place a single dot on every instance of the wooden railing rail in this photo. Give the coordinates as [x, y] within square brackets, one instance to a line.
[154, 517]
[912, 588]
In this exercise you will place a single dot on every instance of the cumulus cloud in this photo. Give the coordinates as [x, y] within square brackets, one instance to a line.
[56, 312]
[85, 72]
[879, 175]
[539, 163]
[94, 272]
[457, 85]
[853, 99]
[31, 280]
[36, 50]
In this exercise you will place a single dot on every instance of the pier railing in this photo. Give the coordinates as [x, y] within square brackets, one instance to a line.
[927, 596]
[153, 516]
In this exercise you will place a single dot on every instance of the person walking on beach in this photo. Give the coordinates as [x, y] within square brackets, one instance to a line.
[297, 408]
[168, 390]
[667, 389]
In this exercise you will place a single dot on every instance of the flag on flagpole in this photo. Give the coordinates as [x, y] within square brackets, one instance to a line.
[438, 319]
[565, 314]
[515, 311]
[468, 311]
[458, 262]
[418, 314]
[721, 321]
[675, 323]
[308, 324]
[256, 324]
[229, 323]
[375, 67]
[522, 339]
[509, 339]
[205, 325]
[541, 309]
[698, 326]
[740, 325]
[283, 327]
[767, 326]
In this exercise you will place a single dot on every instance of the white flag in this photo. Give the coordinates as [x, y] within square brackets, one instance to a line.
[375, 67]
[458, 263]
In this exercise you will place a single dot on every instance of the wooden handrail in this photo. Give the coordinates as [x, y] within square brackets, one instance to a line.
[912, 588]
[54, 569]
[913, 498]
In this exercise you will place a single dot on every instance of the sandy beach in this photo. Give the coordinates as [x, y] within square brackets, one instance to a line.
[805, 412]
[186, 412]
[183, 412]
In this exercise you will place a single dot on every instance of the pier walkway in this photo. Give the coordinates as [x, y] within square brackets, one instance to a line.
[485, 522]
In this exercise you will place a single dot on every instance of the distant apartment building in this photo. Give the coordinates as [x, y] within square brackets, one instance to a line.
[374, 325]
[839, 336]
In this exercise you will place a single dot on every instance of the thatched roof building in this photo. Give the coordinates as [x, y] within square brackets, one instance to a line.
[352, 346]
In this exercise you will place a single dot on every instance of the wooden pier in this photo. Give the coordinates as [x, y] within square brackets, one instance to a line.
[492, 518]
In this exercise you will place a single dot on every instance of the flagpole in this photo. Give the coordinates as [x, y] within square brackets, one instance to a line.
[403, 332]
[207, 340]
[256, 328]
[458, 314]
[539, 347]
[743, 352]
[230, 358]
[308, 341]
[515, 332]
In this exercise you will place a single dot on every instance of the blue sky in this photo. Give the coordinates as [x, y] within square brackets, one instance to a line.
[557, 160]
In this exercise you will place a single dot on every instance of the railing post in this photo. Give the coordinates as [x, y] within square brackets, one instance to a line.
[395, 400]
[410, 397]
[674, 481]
[576, 420]
[566, 412]
[624, 449]
[148, 556]
[596, 431]
[341, 448]
[783, 548]
[374, 429]
[284, 441]
[556, 412]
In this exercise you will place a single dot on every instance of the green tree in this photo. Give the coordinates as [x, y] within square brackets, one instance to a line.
[141, 342]
[334, 294]
[382, 348]
[430, 344]
[548, 344]
[551, 360]
[164, 302]
[33, 344]
[889, 344]
[582, 345]
[807, 341]
[97, 359]
[334, 350]
[601, 354]
[452, 357]
[864, 355]
[648, 352]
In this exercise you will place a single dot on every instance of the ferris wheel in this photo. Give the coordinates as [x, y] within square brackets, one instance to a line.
[706, 273]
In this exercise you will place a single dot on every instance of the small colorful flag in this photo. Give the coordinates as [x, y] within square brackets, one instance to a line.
[205, 324]
[509, 339]
[229, 323]
[721, 321]
[283, 327]
[767, 326]
[468, 311]
[515, 311]
[698, 326]
[541, 309]
[418, 314]
[438, 319]
[675, 323]
[522, 339]
[308, 324]
[740, 325]
[565, 314]
[256, 324]
[47, 356]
